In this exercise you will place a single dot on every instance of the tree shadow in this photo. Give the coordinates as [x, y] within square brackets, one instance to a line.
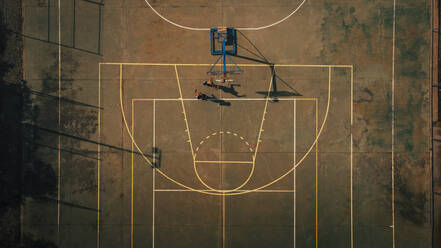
[29, 241]
[74, 9]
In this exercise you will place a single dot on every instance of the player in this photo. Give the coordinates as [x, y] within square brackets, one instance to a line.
[210, 83]
[200, 95]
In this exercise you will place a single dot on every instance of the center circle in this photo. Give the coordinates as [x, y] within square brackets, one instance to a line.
[224, 171]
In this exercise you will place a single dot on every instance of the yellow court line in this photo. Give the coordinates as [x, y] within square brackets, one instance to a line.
[316, 171]
[314, 66]
[154, 130]
[223, 162]
[125, 119]
[188, 131]
[98, 159]
[132, 182]
[294, 172]
[183, 111]
[223, 220]
[240, 190]
[228, 132]
[351, 161]
[220, 192]
[352, 95]
[189, 190]
[241, 65]
[154, 176]
[229, 99]
[305, 99]
[151, 99]
[393, 126]
[263, 119]
[153, 206]
[351, 186]
[59, 126]
[189, 135]
[237, 193]
[131, 187]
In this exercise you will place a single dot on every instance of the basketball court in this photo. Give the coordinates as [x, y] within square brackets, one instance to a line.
[308, 146]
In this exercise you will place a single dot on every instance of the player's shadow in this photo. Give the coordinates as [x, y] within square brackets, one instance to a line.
[229, 90]
[221, 102]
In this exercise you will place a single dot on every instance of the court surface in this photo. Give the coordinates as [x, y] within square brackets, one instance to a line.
[328, 147]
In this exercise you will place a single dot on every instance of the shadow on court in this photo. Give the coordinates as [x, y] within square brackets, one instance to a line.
[275, 93]
[258, 57]
[221, 102]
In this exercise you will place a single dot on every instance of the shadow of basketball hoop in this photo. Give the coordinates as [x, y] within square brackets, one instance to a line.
[257, 56]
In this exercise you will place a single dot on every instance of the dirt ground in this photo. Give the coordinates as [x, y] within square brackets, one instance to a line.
[329, 147]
